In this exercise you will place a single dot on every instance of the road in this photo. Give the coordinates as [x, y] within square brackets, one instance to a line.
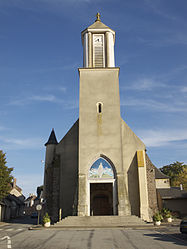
[17, 236]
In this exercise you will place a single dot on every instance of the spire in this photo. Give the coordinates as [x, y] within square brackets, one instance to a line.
[98, 17]
[52, 138]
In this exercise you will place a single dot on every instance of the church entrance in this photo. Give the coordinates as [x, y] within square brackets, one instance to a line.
[101, 199]
[102, 192]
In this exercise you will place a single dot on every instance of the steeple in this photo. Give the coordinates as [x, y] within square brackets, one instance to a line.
[98, 44]
[52, 138]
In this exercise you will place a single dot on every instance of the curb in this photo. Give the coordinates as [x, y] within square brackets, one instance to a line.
[144, 227]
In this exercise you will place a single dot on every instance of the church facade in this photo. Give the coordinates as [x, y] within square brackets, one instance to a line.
[100, 167]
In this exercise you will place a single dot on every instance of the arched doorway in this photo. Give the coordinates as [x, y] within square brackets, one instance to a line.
[102, 188]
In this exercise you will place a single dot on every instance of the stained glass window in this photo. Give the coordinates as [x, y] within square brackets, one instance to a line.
[101, 169]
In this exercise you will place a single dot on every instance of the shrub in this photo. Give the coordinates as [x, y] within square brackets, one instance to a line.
[166, 213]
[46, 218]
[158, 217]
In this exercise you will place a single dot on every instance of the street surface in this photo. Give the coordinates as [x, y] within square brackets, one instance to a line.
[17, 236]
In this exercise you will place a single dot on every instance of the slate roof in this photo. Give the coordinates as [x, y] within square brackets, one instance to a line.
[52, 138]
[33, 197]
[172, 193]
[16, 199]
[16, 187]
[159, 174]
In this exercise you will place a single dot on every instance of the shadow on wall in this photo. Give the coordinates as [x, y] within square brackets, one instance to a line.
[133, 187]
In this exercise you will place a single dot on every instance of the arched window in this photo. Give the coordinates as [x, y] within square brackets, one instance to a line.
[101, 169]
[99, 107]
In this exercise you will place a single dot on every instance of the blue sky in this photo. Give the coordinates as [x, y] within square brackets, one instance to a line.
[40, 51]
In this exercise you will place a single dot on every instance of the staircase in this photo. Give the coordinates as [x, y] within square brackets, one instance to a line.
[100, 221]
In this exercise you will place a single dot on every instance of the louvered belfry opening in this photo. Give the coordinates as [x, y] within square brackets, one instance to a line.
[98, 50]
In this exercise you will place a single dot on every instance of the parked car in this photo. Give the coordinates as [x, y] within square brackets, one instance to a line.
[183, 225]
[34, 215]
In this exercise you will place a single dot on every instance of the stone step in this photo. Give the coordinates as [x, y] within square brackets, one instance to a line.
[100, 221]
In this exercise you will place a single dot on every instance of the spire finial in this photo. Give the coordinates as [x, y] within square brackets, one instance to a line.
[98, 17]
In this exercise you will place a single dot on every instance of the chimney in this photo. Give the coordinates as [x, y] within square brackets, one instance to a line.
[181, 187]
[14, 182]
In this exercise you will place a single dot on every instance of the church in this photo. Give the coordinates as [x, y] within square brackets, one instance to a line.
[100, 167]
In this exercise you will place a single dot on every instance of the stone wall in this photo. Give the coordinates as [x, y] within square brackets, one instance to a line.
[152, 196]
[56, 188]
[67, 149]
[52, 189]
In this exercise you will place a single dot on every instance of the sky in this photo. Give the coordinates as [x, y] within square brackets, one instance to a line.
[41, 51]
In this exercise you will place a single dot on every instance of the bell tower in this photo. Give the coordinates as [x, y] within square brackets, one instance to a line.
[98, 45]
[100, 124]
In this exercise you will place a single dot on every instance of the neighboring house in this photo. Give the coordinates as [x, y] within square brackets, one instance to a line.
[32, 201]
[39, 198]
[30, 204]
[161, 180]
[173, 198]
[2, 210]
[16, 191]
[13, 205]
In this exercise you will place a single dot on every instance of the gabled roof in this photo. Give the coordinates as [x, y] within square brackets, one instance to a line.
[52, 138]
[172, 193]
[33, 197]
[159, 174]
[16, 187]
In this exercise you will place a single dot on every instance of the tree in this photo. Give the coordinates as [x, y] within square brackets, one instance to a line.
[5, 176]
[177, 172]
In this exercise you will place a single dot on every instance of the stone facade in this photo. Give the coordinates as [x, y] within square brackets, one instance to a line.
[94, 169]
[153, 205]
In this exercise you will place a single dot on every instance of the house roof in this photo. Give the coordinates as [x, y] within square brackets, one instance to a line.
[33, 197]
[18, 200]
[172, 193]
[16, 187]
[159, 174]
[2, 203]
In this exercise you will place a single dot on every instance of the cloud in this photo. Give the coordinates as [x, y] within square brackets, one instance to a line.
[145, 84]
[64, 1]
[36, 5]
[168, 38]
[63, 89]
[156, 138]
[67, 104]
[20, 144]
[184, 89]
[36, 98]
[71, 104]
[2, 128]
[155, 105]
[154, 5]
[44, 98]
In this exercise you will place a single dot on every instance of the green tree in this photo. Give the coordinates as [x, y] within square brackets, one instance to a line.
[5, 176]
[177, 172]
